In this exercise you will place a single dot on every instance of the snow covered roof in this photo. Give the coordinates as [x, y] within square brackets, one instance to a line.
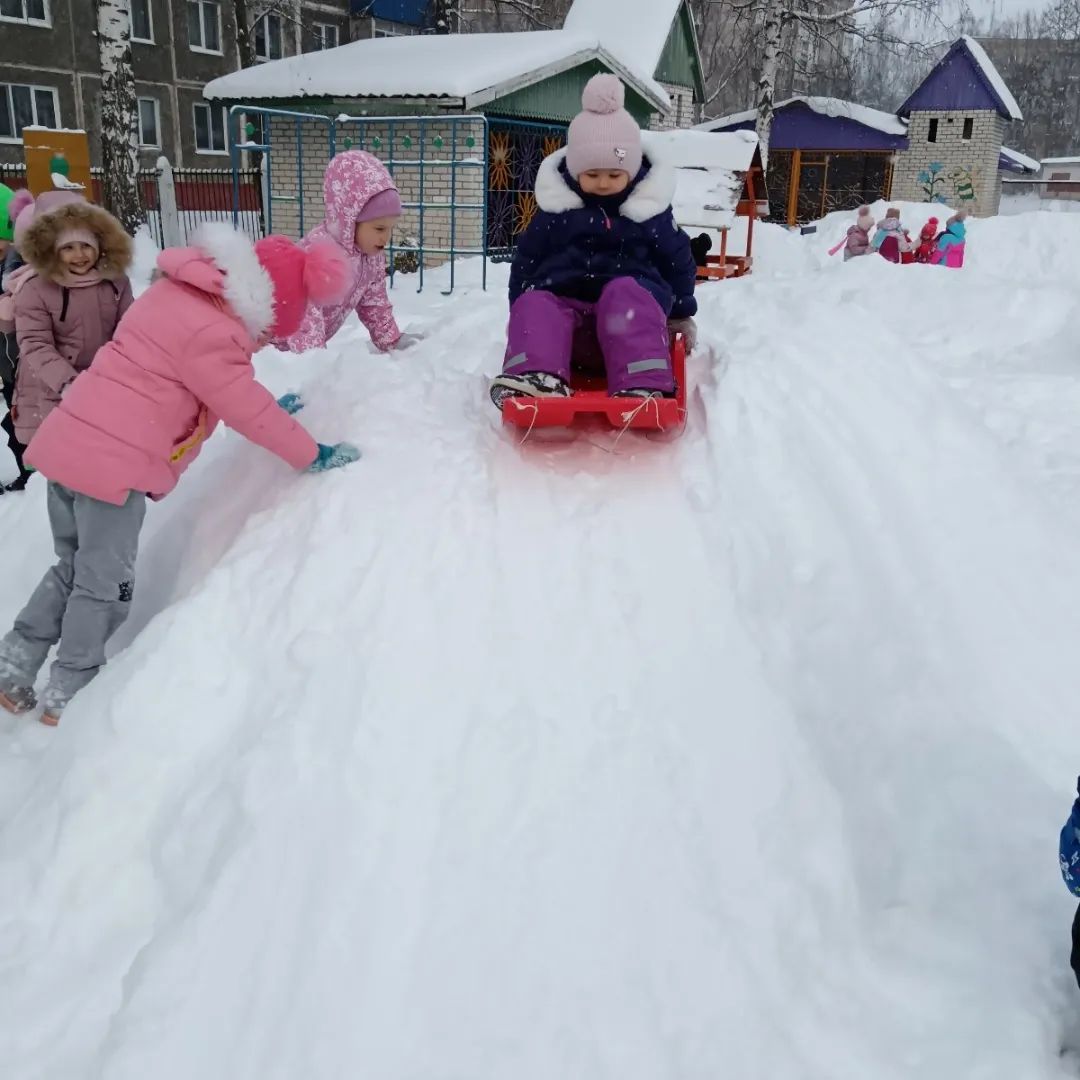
[964, 79]
[474, 67]
[711, 172]
[1019, 162]
[635, 31]
[993, 77]
[1061, 161]
[732, 150]
[885, 122]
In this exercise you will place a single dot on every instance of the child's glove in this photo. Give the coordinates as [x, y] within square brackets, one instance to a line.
[407, 341]
[291, 403]
[688, 329]
[334, 457]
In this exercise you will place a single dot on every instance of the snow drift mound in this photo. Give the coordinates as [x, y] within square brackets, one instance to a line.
[742, 754]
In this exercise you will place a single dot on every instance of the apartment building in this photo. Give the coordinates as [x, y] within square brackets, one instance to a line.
[50, 73]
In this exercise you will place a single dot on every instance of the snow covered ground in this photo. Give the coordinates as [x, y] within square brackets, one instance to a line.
[738, 755]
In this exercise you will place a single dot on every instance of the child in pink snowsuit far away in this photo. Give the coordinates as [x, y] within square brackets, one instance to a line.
[603, 274]
[362, 207]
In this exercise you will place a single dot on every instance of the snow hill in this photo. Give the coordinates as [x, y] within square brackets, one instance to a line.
[739, 755]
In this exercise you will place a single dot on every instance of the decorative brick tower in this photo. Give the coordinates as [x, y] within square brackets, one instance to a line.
[957, 119]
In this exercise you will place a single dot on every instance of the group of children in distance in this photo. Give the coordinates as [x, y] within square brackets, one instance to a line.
[110, 397]
[894, 243]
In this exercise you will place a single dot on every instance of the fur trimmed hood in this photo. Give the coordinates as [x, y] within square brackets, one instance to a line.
[651, 196]
[222, 263]
[37, 241]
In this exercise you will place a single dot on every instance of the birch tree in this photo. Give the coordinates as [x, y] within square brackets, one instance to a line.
[119, 145]
[811, 38]
[248, 13]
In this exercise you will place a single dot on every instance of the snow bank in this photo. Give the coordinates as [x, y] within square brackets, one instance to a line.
[763, 780]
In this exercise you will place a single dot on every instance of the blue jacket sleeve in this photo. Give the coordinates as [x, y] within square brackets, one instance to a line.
[675, 261]
[1069, 849]
[530, 254]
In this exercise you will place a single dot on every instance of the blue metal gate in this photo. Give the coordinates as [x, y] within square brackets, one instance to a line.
[439, 164]
[515, 151]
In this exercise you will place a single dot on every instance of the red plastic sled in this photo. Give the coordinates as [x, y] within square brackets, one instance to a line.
[590, 398]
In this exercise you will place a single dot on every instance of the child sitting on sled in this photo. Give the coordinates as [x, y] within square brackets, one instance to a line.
[362, 207]
[602, 268]
[858, 236]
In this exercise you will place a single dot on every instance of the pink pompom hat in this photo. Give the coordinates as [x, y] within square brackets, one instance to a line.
[605, 135]
[318, 275]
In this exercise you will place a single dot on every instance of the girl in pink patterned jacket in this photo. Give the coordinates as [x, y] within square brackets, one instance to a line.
[362, 206]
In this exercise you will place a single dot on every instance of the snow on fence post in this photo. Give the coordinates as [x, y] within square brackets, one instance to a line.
[171, 233]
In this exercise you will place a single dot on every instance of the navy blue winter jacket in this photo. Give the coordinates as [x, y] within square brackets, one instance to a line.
[577, 243]
[1069, 848]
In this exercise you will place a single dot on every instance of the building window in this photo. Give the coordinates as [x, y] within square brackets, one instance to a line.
[26, 106]
[969, 126]
[149, 123]
[35, 12]
[142, 25]
[326, 35]
[210, 129]
[1060, 176]
[931, 135]
[268, 38]
[204, 26]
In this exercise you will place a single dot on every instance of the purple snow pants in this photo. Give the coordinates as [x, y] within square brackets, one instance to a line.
[624, 332]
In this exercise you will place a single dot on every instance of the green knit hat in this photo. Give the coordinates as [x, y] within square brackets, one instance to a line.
[7, 226]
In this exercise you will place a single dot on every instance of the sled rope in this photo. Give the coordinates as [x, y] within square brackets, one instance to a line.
[535, 413]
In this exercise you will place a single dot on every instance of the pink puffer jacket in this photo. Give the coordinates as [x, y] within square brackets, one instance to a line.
[351, 180]
[179, 364]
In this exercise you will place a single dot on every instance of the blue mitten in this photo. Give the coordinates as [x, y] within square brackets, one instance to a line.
[333, 457]
[291, 403]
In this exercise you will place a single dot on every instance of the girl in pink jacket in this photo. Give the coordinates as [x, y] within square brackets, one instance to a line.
[130, 425]
[362, 206]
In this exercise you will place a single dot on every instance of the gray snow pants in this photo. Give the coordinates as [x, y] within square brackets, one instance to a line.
[82, 600]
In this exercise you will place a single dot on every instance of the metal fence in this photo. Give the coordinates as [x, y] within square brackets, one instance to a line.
[515, 151]
[176, 201]
[439, 164]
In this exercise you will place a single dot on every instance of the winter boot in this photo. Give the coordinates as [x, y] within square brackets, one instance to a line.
[531, 384]
[14, 698]
[54, 702]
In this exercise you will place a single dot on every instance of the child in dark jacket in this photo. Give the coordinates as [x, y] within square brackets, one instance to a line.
[1069, 859]
[12, 203]
[602, 268]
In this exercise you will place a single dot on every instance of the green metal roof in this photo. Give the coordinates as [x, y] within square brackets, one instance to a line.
[680, 62]
[558, 98]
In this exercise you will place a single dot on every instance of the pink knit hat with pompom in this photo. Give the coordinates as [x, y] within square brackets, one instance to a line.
[605, 135]
[319, 275]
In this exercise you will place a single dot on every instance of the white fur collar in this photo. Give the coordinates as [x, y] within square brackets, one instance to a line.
[651, 197]
[249, 290]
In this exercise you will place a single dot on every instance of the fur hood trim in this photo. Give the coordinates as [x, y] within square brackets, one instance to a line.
[38, 245]
[651, 197]
[247, 288]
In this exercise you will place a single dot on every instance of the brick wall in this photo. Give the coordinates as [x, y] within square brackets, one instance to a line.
[413, 140]
[684, 114]
[965, 171]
